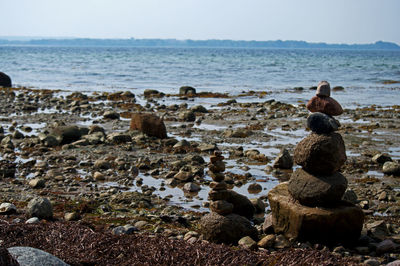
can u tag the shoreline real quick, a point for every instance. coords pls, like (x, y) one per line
(69, 170)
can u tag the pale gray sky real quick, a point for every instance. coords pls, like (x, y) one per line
(339, 21)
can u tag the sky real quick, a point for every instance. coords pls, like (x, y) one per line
(330, 21)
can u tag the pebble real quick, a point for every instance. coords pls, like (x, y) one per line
(33, 220)
(7, 208)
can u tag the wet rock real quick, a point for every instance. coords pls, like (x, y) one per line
(191, 187)
(199, 109)
(148, 93)
(5, 80)
(259, 205)
(111, 115)
(321, 123)
(149, 124)
(102, 164)
(254, 188)
(33, 256)
(227, 229)
(187, 116)
(49, 140)
(184, 174)
(7, 208)
(326, 105)
(391, 168)
(217, 167)
(67, 134)
(372, 262)
(381, 158)
(326, 225)
(281, 242)
(321, 154)
(7, 169)
(17, 135)
(283, 160)
(350, 196)
(318, 190)
(118, 138)
(184, 90)
(7, 143)
(377, 230)
(237, 133)
(41, 208)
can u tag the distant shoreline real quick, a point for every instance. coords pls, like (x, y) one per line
(88, 42)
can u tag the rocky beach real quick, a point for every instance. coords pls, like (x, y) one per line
(126, 178)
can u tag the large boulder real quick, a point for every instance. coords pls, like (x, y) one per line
(324, 104)
(313, 190)
(149, 124)
(227, 229)
(321, 154)
(5, 80)
(341, 224)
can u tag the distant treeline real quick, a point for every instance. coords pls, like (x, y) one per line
(198, 43)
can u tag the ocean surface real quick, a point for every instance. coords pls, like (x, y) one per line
(361, 72)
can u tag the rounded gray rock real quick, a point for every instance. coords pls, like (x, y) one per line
(321, 123)
(41, 208)
(28, 256)
(227, 229)
(391, 168)
(313, 190)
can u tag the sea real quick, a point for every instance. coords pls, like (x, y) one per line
(368, 76)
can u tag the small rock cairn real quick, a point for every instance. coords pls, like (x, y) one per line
(217, 167)
(310, 205)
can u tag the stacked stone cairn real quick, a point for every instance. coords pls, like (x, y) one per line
(310, 205)
(228, 221)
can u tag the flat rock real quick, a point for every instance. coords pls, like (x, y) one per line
(319, 190)
(28, 256)
(326, 105)
(321, 123)
(227, 229)
(321, 154)
(341, 224)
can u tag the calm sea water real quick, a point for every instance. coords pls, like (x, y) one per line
(218, 70)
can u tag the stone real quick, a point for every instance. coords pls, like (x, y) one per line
(221, 207)
(242, 205)
(41, 208)
(214, 158)
(267, 226)
(372, 262)
(350, 196)
(7, 169)
(66, 134)
(217, 167)
(118, 138)
(381, 158)
(321, 123)
(199, 109)
(323, 89)
(318, 190)
(37, 183)
(6, 259)
(33, 220)
(254, 188)
(184, 90)
(377, 230)
(187, 116)
(5, 80)
(217, 177)
(387, 246)
(102, 164)
(183, 175)
(341, 224)
(191, 187)
(149, 124)
(71, 216)
(326, 105)
(218, 186)
(267, 241)
(227, 229)
(259, 205)
(321, 154)
(391, 168)
(149, 93)
(247, 243)
(7, 208)
(283, 160)
(111, 115)
(394, 263)
(33, 256)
